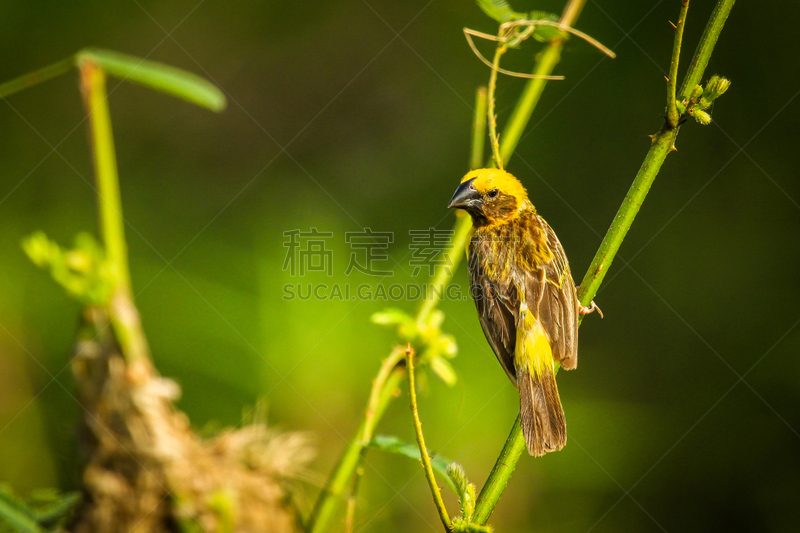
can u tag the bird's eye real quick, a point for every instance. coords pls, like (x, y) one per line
(493, 193)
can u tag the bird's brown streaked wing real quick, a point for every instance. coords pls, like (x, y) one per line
(497, 313)
(558, 304)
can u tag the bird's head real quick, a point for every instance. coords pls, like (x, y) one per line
(490, 195)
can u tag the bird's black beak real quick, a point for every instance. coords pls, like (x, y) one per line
(465, 196)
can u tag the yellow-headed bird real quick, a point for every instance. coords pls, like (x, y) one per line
(526, 298)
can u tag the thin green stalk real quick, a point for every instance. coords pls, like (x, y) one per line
(663, 142)
(36, 77)
(383, 390)
(124, 316)
(350, 514)
(672, 81)
(492, 115)
(501, 473)
(478, 129)
(546, 61)
(463, 224)
(442, 278)
(436, 491)
(707, 42)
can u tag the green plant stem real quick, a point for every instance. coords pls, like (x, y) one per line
(662, 145)
(436, 491)
(501, 473)
(350, 514)
(463, 225)
(478, 129)
(124, 316)
(492, 115)
(546, 61)
(707, 42)
(673, 116)
(439, 283)
(383, 390)
(36, 77)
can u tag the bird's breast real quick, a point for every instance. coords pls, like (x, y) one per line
(507, 250)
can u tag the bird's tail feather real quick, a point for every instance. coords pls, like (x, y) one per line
(542, 416)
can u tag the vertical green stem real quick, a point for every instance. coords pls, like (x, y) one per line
(546, 61)
(105, 166)
(672, 81)
(124, 316)
(663, 143)
(442, 278)
(501, 473)
(707, 42)
(492, 115)
(478, 129)
(436, 491)
(463, 221)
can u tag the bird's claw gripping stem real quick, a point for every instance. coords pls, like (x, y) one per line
(591, 309)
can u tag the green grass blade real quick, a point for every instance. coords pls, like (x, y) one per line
(170, 80)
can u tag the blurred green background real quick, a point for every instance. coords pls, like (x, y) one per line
(664, 435)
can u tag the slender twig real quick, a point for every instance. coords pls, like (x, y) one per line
(383, 390)
(350, 515)
(124, 316)
(468, 33)
(478, 129)
(436, 491)
(561, 26)
(37, 76)
(492, 115)
(663, 143)
(546, 61)
(463, 224)
(501, 473)
(706, 45)
(673, 116)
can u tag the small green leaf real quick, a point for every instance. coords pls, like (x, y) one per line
(17, 514)
(499, 10)
(170, 80)
(392, 444)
